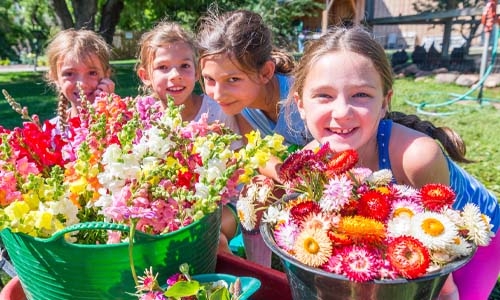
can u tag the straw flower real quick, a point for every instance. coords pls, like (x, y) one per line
(360, 224)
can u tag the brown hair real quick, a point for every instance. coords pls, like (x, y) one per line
(162, 34)
(358, 40)
(243, 35)
(81, 44)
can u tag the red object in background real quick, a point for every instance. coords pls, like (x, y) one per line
(489, 17)
(274, 284)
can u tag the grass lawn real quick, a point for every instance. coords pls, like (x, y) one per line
(477, 123)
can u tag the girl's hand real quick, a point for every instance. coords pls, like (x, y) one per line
(449, 290)
(105, 85)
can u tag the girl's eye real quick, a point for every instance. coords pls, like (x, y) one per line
(233, 79)
(361, 95)
(185, 66)
(93, 73)
(67, 74)
(322, 98)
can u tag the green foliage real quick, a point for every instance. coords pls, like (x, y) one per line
(280, 17)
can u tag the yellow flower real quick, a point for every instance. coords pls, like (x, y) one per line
(43, 220)
(313, 247)
(79, 186)
(17, 210)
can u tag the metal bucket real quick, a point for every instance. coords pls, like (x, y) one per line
(312, 283)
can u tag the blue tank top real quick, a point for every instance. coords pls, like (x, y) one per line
(466, 187)
(295, 133)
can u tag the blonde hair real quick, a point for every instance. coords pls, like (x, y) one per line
(162, 34)
(80, 44)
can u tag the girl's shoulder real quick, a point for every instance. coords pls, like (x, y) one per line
(416, 158)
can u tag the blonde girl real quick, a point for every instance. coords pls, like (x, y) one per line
(78, 64)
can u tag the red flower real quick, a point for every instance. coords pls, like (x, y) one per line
(436, 196)
(341, 162)
(408, 256)
(303, 209)
(375, 205)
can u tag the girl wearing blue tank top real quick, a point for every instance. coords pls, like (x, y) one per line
(343, 89)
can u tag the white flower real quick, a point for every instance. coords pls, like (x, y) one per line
(247, 214)
(433, 229)
(398, 226)
(477, 224)
(275, 215)
(380, 177)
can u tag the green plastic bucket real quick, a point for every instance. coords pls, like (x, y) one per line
(55, 269)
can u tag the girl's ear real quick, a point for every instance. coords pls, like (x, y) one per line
(143, 75)
(267, 71)
(300, 105)
(386, 104)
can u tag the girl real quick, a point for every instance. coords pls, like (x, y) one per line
(167, 67)
(349, 108)
(244, 74)
(78, 63)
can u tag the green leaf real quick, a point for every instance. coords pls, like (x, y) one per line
(183, 289)
(220, 294)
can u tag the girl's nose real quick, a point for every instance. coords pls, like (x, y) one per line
(174, 73)
(340, 108)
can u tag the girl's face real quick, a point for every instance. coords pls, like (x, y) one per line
(226, 83)
(173, 72)
(343, 101)
(89, 72)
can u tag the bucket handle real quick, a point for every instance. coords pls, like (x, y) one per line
(139, 235)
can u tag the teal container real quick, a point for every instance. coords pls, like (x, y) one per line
(55, 269)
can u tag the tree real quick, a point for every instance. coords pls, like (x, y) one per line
(84, 15)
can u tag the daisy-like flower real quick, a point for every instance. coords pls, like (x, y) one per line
(148, 282)
(460, 247)
(336, 194)
(437, 196)
(341, 162)
(405, 207)
(399, 226)
(317, 221)
(361, 229)
(247, 214)
(433, 229)
(408, 256)
(300, 210)
(374, 204)
(285, 235)
(334, 263)
(313, 247)
(359, 263)
(380, 177)
(477, 225)
(275, 215)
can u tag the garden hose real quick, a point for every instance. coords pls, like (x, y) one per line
(422, 106)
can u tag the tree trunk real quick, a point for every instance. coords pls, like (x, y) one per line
(85, 11)
(110, 16)
(63, 16)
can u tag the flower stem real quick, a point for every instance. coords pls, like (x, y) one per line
(131, 250)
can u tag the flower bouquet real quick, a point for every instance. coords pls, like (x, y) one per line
(351, 231)
(124, 183)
